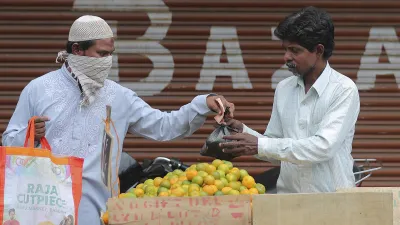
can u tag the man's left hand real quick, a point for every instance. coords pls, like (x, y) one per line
(240, 144)
(213, 104)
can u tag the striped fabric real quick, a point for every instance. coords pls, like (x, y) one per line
(91, 73)
(311, 133)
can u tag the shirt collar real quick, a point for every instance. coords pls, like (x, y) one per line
(68, 74)
(322, 81)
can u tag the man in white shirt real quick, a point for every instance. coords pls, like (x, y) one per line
(314, 113)
(71, 105)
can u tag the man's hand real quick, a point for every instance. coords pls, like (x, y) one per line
(234, 124)
(40, 127)
(213, 104)
(241, 144)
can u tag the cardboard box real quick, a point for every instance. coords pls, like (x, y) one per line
(213, 210)
(323, 209)
(396, 198)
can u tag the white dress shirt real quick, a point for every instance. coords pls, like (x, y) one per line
(77, 131)
(311, 133)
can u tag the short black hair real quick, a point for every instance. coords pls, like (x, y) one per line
(83, 45)
(11, 210)
(309, 27)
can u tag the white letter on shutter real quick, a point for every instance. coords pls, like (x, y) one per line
(212, 67)
(379, 37)
(148, 44)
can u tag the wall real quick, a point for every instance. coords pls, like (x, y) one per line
(169, 51)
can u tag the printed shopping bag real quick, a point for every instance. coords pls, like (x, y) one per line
(37, 187)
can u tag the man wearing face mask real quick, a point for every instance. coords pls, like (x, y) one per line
(71, 105)
(314, 113)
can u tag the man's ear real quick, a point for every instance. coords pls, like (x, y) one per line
(76, 50)
(320, 50)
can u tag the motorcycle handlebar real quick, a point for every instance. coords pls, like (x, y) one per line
(184, 167)
(178, 165)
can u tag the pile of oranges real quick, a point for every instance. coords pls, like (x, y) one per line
(202, 179)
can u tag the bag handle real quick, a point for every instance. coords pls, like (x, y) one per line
(30, 136)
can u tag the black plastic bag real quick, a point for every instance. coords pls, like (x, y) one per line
(211, 147)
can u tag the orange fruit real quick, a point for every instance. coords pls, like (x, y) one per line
(149, 182)
(209, 180)
(219, 184)
(210, 169)
(216, 175)
(177, 172)
(182, 178)
(157, 181)
(229, 164)
(243, 173)
(122, 195)
(224, 181)
(224, 168)
(190, 174)
(235, 185)
(253, 191)
(194, 193)
(235, 171)
(151, 190)
(202, 174)
(260, 188)
(166, 184)
(217, 162)
(221, 174)
(175, 186)
(163, 194)
(193, 187)
(234, 192)
(178, 192)
(104, 217)
(201, 166)
(162, 189)
(245, 192)
(198, 180)
(202, 193)
(169, 175)
(226, 190)
(140, 186)
(139, 192)
(209, 189)
(186, 182)
(218, 193)
(185, 187)
(193, 166)
(249, 182)
(173, 180)
(231, 177)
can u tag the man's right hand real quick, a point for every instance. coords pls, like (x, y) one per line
(234, 124)
(40, 127)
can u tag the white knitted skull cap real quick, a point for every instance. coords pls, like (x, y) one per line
(89, 27)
